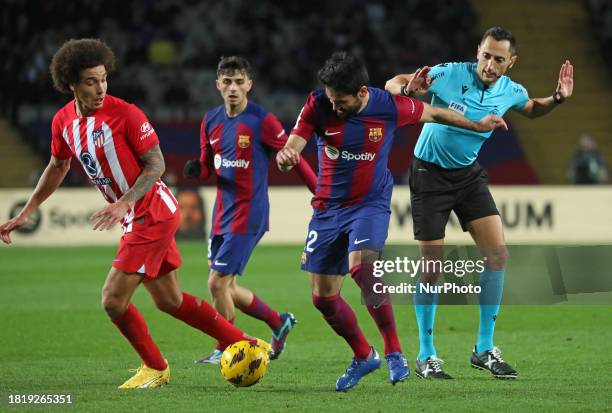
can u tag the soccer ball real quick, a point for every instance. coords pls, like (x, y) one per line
(244, 363)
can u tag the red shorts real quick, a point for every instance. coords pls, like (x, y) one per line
(148, 247)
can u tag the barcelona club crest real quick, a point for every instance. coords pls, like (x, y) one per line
(244, 141)
(376, 134)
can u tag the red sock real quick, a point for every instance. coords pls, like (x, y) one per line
(341, 318)
(383, 316)
(132, 325)
(201, 315)
(260, 310)
(220, 346)
(379, 306)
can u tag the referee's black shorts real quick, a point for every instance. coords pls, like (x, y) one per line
(436, 191)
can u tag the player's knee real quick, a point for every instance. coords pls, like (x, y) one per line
(324, 291)
(113, 306)
(168, 304)
(497, 258)
(218, 284)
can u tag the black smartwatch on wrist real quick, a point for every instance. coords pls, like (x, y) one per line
(404, 90)
(558, 98)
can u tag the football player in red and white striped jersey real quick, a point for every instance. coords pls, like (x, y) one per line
(119, 150)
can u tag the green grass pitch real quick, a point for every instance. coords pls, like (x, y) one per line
(55, 338)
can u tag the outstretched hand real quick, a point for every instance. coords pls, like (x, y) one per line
(565, 85)
(420, 82)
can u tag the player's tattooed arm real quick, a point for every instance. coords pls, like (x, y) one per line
(153, 168)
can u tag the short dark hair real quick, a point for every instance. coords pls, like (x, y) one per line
(230, 64)
(76, 55)
(344, 73)
(499, 34)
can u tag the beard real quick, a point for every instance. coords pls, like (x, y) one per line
(349, 111)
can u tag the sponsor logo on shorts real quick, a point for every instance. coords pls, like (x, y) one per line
(219, 263)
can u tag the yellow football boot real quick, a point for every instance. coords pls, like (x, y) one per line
(147, 378)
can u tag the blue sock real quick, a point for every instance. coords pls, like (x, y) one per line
(492, 287)
(425, 307)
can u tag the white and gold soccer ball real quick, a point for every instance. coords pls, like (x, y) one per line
(244, 363)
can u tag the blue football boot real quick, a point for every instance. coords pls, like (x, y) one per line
(356, 370)
(398, 367)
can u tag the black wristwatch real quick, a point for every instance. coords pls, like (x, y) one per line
(558, 98)
(404, 90)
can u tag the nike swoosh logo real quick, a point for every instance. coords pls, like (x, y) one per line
(357, 242)
(214, 141)
(328, 133)
(219, 263)
(150, 382)
(379, 304)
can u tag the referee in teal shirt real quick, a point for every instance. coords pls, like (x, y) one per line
(445, 177)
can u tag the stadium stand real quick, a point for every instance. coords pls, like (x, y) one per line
(167, 52)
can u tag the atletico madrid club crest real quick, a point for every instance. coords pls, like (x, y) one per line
(98, 138)
(244, 141)
(375, 134)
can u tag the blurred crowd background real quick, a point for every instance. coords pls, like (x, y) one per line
(167, 52)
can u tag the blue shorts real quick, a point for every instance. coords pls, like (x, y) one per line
(332, 234)
(229, 253)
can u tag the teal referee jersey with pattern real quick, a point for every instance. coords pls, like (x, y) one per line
(457, 87)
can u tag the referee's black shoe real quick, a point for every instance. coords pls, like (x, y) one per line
(492, 361)
(431, 368)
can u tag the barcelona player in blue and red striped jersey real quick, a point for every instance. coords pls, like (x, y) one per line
(236, 142)
(355, 125)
